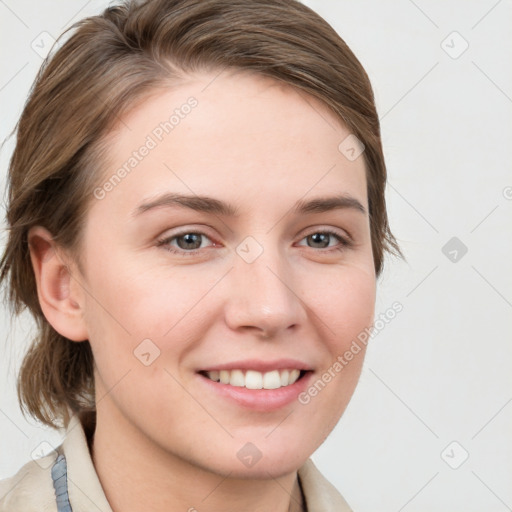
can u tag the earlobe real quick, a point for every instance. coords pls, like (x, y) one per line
(61, 303)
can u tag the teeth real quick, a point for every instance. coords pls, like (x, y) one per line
(272, 380)
(224, 376)
(237, 378)
(252, 379)
(294, 375)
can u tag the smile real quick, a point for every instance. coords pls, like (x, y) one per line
(252, 379)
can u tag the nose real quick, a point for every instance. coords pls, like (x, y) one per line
(263, 296)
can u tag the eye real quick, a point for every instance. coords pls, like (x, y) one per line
(321, 240)
(188, 242)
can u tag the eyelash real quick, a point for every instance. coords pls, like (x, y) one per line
(345, 242)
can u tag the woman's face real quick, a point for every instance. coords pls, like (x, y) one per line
(186, 286)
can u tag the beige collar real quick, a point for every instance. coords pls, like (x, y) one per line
(312, 492)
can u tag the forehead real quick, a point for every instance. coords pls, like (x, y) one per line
(239, 136)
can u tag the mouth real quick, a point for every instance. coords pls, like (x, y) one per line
(253, 379)
(257, 385)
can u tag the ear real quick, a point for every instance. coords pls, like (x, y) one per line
(60, 295)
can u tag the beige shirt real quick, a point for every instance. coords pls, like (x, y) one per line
(31, 488)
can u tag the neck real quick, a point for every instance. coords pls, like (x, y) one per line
(136, 474)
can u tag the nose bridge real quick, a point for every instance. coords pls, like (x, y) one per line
(263, 294)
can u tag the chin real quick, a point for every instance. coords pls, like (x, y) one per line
(265, 468)
(267, 458)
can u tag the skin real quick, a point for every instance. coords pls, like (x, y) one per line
(261, 146)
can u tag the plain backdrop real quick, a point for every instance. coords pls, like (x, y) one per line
(428, 428)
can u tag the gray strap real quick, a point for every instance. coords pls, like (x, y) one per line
(60, 484)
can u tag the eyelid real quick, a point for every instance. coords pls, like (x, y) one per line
(315, 229)
(342, 233)
(345, 239)
(166, 239)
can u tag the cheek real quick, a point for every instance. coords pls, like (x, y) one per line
(129, 303)
(358, 304)
(345, 303)
(345, 308)
(133, 296)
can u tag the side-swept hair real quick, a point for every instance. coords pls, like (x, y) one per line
(109, 63)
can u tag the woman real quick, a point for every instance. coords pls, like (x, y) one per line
(197, 221)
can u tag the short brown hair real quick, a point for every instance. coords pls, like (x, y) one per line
(108, 63)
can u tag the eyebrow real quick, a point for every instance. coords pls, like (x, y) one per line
(215, 206)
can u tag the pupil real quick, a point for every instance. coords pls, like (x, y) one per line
(189, 238)
(319, 238)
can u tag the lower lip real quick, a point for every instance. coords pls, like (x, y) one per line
(262, 400)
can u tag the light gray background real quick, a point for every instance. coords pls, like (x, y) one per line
(441, 370)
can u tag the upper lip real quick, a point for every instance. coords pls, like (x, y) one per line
(259, 365)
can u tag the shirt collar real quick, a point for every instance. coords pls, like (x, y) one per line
(86, 493)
